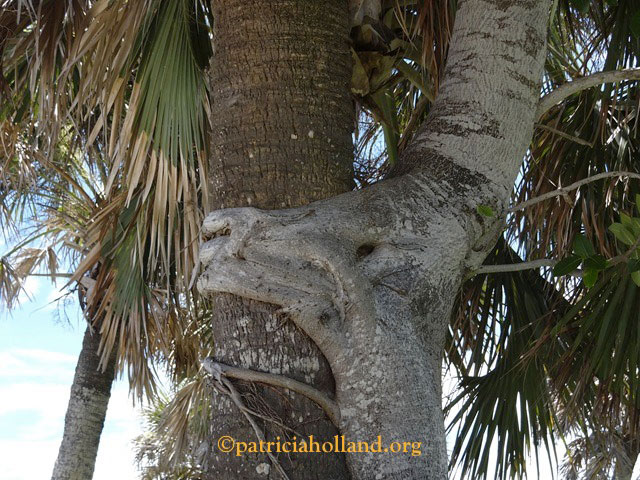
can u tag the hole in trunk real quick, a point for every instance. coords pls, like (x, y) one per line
(364, 250)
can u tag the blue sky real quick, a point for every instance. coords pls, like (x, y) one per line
(38, 352)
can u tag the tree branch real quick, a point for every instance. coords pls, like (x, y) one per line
(329, 406)
(548, 262)
(562, 134)
(51, 275)
(573, 186)
(237, 400)
(514, 267)
(568, 89)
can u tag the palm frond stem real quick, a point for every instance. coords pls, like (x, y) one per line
(571, 187)
(566, 90)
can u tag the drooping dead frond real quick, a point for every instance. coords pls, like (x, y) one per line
(123, 83)
(175, 443)
(399, 60)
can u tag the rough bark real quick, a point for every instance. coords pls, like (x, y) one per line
(87, 409)
(371, 276)
(282, 120)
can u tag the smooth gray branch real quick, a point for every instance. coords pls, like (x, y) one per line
(515, 267)
(571, 187)
(562, 134)
(568, 89)
(220, 369)
(548, 262)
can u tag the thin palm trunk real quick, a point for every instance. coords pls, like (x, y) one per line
(86, 412)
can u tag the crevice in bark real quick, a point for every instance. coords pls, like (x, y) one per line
(364, 250)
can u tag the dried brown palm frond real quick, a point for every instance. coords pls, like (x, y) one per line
(399, 59)
(176, 439)
(102, 70)
(432, 28)
(175, 442)
(589, 133)
(45, 211)
(146, 237)
(550, 227)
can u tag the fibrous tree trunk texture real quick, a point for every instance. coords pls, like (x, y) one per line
(86, 412)
(371, 276)
(282, 121)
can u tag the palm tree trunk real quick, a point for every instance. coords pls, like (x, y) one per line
(371, 275)
(86, 412)
(282, 123)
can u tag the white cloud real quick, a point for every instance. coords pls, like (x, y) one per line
(17, 460)
(30, 289)
(54, 296)
(38, 397)
(23, 363)
(34, 392)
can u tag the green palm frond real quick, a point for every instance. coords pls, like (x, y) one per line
(150, 250)
(503, 410)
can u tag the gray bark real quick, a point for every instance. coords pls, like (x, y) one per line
(371, 276)
(87, 409)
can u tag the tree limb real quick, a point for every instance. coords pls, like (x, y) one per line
(329, 406)
(573, 186)
(562, 134)
(237, 400)
(568, 89)
(548, 262)
(515, 267)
